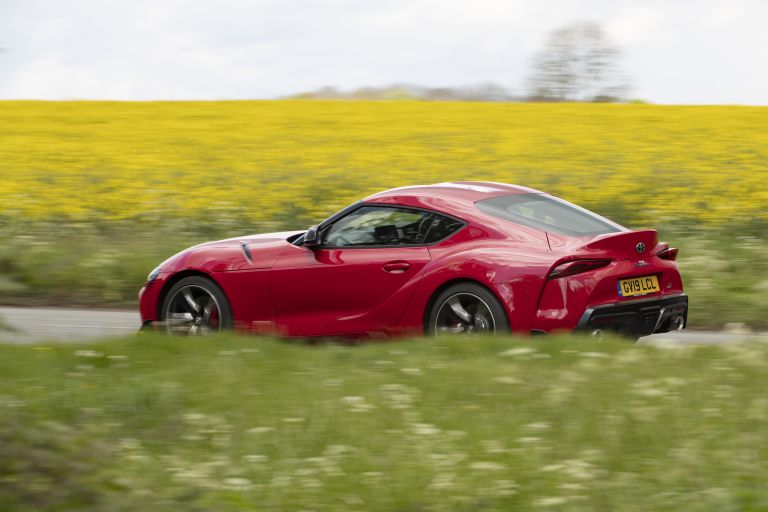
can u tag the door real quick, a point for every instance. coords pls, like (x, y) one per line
(359, 280)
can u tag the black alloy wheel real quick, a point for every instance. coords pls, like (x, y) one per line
(196, 306)
(467, 308)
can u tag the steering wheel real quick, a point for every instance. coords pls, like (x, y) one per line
(421, 225)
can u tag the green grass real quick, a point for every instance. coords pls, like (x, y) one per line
(230, 424)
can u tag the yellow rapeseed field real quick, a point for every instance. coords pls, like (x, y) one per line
(281, 163)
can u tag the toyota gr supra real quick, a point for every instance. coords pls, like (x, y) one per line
(462, 257)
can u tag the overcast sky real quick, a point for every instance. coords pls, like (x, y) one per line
(687, 51)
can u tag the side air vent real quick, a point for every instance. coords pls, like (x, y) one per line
(246, 251)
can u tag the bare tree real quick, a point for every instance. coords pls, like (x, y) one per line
(578, 63)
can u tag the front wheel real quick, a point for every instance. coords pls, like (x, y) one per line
(196, 306)
(467, 308)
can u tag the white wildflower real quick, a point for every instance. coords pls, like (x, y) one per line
(194, 417)
(487, 466)
(552, 501)
(424, 429)
(442, 481)
(494, 446)
(311, 483)
(507, 380)
(357, 403)
(595, 355)
(88, 353)
(237, 484)
(351, 499)
(337, 450)
(281, 480)
(504, 488)
(521, 351)
(260, 430)
(650, 392)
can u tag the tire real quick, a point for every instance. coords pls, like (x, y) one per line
(480, 312)
(196, 306)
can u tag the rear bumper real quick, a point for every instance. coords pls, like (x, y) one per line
(638, 317)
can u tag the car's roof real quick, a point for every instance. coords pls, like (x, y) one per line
(448, 196)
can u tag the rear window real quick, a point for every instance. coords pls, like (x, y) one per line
(547, 213)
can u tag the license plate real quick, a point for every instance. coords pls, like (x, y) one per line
(638, 286)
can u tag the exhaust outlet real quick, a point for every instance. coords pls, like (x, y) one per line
(677, 323)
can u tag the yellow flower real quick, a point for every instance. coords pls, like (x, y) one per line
(284, 163)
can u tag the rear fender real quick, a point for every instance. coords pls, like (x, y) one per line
(514, 273)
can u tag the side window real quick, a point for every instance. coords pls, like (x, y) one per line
(442, 227)
(378, 225)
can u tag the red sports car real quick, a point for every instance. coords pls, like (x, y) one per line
(463, 257)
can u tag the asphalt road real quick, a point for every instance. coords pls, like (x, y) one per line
(36, 325)
(33, 325)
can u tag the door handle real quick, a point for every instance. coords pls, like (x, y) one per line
(396, 267)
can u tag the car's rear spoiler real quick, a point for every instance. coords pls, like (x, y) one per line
(624, 245)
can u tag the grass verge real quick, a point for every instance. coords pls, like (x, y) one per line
(230, 424)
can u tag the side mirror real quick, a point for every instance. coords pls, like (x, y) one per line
(311, 239)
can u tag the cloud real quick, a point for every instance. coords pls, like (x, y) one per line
(686, 51)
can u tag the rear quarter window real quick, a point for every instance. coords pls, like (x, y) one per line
(441, 228)
(547, 213)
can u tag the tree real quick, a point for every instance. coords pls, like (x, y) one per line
(578, 63)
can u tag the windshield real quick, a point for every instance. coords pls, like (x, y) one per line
(548, 213)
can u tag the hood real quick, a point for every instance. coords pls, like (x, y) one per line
(264, 238)
(239, 253)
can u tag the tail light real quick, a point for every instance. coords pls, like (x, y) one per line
(570, 268)
(669, 253)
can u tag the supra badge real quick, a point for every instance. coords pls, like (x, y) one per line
(641, 263)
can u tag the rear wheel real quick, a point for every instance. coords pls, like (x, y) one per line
(195, 306)
(467, 308)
